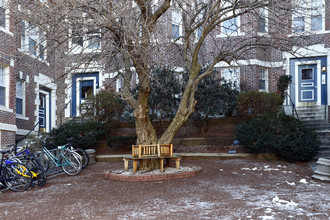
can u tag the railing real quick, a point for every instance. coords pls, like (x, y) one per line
(18, 140)
(294, 110)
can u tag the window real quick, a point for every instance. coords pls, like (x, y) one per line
(230, 26)
(298, 24)
(231, 75)
(262, 21)
(263, 79)
(77, 37)
(307, 74)
(33, 40)
(20, 93)
(93, 40)
(316, 15)
(176, 24)
(200, 28)
(83, 39)
(2, 86)
(2, 14)
(308, 16)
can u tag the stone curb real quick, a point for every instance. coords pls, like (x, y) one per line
(151, 177)
(187, 156)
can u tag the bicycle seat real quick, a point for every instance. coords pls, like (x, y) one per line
(61, 147)
(4, 151)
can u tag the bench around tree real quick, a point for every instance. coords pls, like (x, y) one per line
(160, 152)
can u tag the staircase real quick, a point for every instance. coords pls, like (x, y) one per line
(313, 116)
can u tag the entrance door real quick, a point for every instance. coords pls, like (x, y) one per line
(307, 83)
(42, 112)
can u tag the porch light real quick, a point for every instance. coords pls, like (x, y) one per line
(323, 69)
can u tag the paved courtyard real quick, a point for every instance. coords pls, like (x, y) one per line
(227, 189)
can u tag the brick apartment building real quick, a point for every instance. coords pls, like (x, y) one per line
(29, 92)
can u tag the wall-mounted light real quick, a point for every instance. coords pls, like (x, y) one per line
(323, 69)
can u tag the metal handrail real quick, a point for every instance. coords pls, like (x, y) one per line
(294, 110)
(18, 140)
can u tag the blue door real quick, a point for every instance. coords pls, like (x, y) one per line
(307, 83)
(42, 111)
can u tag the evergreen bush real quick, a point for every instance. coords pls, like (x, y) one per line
(279, 134)
(81, 135)
(121, 141)
(253, 104)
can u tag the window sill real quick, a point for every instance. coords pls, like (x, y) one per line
(80, 50)
(33, 56)
(239, 34)
(306, 33)
(263, 34)
(5, 109)
(19, 116)
(5, 30)
(177, 41)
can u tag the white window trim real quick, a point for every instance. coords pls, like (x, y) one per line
(308, 21)
(6, 29)
(179, 40)
(23, 100)
(24, 46)
(6, 85)
(233, 34)
(266, 80)
(266, 24)
(77, 49)
(232, 80)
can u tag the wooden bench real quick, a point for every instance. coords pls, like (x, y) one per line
(162, 152)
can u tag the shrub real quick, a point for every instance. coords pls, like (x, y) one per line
(83, 135)
(279, 134)
(105, 107)
(254, 104)
(121, 141)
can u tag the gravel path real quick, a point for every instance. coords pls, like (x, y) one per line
(230, 189)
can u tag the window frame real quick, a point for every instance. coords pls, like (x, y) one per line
(235, 80)
(306, 11)
(6, 17)
(5, 84)
(30, 34)
(177, 21)
(23, 97)
(263, 14)
(263, 75)
(84, 37)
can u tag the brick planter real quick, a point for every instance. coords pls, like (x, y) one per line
(155, 176)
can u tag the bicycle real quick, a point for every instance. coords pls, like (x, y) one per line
(44, 161)
(39, 176)
(15, 176)
(70, 161)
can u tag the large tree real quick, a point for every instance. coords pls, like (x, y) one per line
(137, 35)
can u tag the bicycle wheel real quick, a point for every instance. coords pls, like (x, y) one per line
(43, 160)
(84, 156)
(17, 177)
(71, 163)
(39, 176)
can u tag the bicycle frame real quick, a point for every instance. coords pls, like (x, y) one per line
(56, 160)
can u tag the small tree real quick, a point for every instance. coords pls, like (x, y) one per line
(215, 97)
